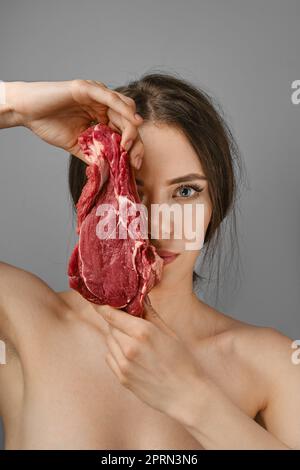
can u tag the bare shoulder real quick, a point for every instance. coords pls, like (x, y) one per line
(28, 306)
(26, 301)
(249, 340)
(270, 362)
(275, 357)
(263, 348)
(263, 351)
(276, 360)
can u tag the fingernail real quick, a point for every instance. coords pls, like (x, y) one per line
(128, 145)
(139, 162)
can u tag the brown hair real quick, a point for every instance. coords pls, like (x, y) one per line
(167, 98)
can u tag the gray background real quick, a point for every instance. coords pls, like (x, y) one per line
(246, 54)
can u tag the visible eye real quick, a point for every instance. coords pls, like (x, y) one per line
(184, 189)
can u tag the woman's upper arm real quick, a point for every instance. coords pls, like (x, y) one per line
(281, 415)
(23, 298)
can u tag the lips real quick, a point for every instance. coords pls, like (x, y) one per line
(167, 256)
(165, 253)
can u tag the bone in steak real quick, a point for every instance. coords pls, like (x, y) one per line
(114, 271)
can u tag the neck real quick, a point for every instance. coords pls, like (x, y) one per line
(180, 309)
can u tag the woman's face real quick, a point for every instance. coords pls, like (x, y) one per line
(168, 155)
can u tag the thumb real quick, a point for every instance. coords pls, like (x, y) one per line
(151, 315)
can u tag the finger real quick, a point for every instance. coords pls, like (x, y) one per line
(151, 315)
(129, 324)
(114, 366)
(136, 153)
(137, 148)
(112, 100)
(130, 101)
(128, 345)
(122, 338)
(127, 99)
(113, 127)
(131, 349)
(77, 152)
(115, 349)
(128, 130)
(97, 82)
(121, 362)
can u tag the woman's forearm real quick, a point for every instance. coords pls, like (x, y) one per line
(217, 423)
(8, 117)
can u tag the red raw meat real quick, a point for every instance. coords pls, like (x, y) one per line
(117, 272)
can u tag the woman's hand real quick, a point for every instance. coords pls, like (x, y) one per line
(58, 112)
(149, 359)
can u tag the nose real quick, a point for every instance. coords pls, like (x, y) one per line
(159, 226)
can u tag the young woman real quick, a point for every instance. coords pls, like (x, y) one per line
(187, 376)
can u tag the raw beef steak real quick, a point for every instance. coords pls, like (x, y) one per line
(115, 271)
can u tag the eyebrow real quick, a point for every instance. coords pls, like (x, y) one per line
(180, 179)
